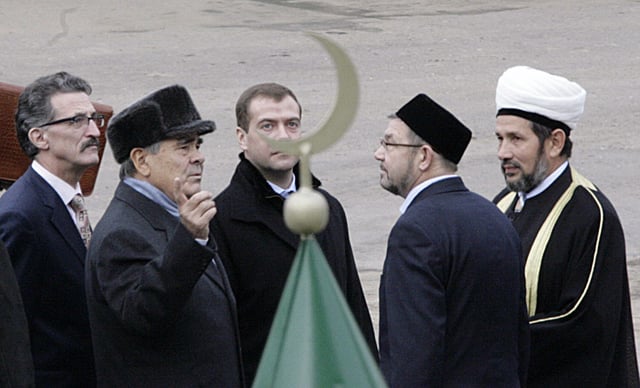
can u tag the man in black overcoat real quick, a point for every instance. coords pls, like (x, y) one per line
(254, 243)
(161, 309)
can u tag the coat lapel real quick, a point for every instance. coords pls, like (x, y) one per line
(60, 218)
(163, 222)
(258, 203)
(272, 220)
(217, 273)
(68, 230)
(157, 217)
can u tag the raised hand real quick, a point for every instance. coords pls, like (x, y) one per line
(195, 211)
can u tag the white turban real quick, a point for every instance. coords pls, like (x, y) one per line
(525, 89)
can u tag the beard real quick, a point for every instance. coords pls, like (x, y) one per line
(389, 186)
(528, 181)
(401, 185)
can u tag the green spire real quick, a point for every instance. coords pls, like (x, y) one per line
(314, 340)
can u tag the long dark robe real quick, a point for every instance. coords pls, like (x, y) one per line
(581, 325)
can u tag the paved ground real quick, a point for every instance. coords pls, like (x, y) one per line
(454, 50)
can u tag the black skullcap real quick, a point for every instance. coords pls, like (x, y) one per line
(435, 125)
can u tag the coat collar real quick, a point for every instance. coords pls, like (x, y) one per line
(252, 175)
(247, 175)
(444, 186)
(254, 194)
(155, 214)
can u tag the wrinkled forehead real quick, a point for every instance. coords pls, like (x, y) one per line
(72, 103)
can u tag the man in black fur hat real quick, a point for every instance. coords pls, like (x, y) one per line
(161, 309)
(452, 308)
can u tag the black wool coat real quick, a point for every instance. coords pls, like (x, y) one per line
(162, 313)
(258, 250)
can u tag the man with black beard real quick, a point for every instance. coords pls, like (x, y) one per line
(452, 298)
(576, 275)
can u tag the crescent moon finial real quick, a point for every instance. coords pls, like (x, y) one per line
(341, 117)
(307, 212)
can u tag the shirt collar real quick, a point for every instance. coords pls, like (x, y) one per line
(418, 189)
(284, 192)
(548, 181)
(65, 191)
(154, 194)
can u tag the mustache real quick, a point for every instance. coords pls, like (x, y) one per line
(510, 163)
(90, 143)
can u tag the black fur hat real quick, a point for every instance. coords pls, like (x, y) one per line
(168, 113)
(437, 126)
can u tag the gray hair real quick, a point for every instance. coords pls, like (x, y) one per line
(128, 168)
(34, 104)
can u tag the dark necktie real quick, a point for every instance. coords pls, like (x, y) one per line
(286, 193)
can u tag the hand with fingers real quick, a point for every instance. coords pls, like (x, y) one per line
(196, 211)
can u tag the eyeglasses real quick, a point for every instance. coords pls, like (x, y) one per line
(385, 144)
(79, 121)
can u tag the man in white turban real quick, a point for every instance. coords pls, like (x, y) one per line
(575, 271)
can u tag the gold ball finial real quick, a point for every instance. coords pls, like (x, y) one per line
(306, 211)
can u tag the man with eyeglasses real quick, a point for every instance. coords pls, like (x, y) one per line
(58, 128)
(452, 308)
